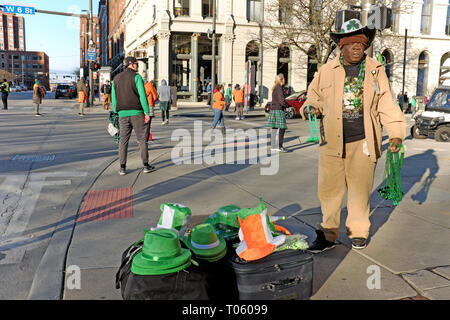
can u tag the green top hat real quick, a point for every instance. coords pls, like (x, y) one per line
(174, 217)
(350, 28)
(161, 254)
(205, 243)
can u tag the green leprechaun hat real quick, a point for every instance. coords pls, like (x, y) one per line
(353, 27)
(205, 244)
(161, 254)
(174, 217)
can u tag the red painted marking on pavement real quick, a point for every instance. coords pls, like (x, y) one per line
(101, 205)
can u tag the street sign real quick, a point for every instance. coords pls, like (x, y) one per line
(91, 54)
(19, 8)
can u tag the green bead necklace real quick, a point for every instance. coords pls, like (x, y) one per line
(354, 88)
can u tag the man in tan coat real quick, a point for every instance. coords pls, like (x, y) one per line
(352, 97)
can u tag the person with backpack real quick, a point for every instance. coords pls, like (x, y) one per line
(4, 88)
(38, 94)
(130, 102)
(238, 96)
(106, 91)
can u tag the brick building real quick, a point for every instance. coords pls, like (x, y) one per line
(26, 66)
(84, 41)
(116, 33)
(12, 32)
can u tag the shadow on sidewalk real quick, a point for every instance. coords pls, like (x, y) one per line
(415, 169)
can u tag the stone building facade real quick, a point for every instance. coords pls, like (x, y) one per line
(171, 39)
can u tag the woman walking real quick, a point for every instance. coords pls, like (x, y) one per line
(165, 97)
(218, 106)
(38, 94)
(277, 119)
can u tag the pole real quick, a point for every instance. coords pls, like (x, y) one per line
(91, 84)
(213, 64)
(404, 61)
(365, 4)
(261, 87)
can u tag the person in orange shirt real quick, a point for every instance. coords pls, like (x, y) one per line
(218, 106)
(238, 96)
(152, 96)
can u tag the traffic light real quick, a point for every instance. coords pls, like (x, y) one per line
(95, 66)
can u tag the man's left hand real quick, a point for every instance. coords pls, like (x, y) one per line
(393, 145)
(147, 119)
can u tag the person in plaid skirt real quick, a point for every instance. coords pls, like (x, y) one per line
(277, 119)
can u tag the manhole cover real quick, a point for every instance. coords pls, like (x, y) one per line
(33, 157)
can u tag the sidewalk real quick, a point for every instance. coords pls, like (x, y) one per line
(408, 243)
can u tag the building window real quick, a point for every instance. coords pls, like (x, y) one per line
(447, 24)
(254, 10)
(285, 12)
(35, 66)
(422, 74)
(388, 61)
(207, 8)
(35, 57)
(426, 17)
(181, 8)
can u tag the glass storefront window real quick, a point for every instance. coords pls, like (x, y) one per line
(181, 62)
(181, 8)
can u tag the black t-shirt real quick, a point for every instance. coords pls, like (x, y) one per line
(352, 110)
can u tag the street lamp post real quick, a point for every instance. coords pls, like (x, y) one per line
(213, 64)
(91, 85)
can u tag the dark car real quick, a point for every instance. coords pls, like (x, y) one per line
(295, 102)
(74, 91)
(63, 90)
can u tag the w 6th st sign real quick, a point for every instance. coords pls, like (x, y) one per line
(18, 8)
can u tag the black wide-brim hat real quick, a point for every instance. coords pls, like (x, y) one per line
(353, 27)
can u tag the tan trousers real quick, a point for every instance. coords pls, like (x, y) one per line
(106, 100)
(354, 172)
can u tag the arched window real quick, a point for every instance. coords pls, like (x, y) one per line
(444, 74)
(422, 74)
(284, 58)
(388, 59)
(447, 23)
(425, 24)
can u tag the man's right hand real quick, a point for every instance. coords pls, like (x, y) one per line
(313, 111)
(147, 119)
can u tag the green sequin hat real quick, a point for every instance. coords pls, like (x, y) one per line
(353, 27)
(205, 243)
(161, 254)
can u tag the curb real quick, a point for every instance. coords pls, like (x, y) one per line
(48, 280)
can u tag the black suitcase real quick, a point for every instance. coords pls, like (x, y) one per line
(284, 275)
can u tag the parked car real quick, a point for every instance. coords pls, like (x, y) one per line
(64, 90)
(435, 120)
(74, 91)
(15, 89)
(295, 101)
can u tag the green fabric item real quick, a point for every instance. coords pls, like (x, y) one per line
(161, 254)
(205, 244)
(142, 97)
(164, 105)
(277, 119)
(413, 103)
(391, 188)
(293, 242)
(313, 127)
(226, 223)
(174, 214)
(113, 117)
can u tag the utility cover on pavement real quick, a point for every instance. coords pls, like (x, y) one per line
(107, 204)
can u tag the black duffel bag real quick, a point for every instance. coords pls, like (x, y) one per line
(186, 284)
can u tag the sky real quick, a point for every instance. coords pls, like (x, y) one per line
(57, 36)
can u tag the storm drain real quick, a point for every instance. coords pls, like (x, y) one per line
(33, 157)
